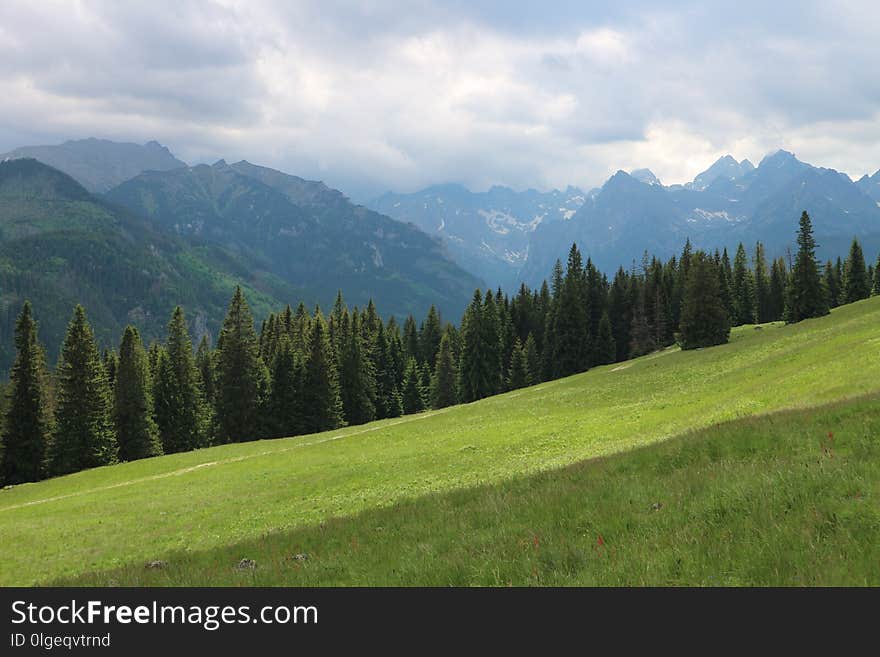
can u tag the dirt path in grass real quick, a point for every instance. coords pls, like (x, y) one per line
(232, 459)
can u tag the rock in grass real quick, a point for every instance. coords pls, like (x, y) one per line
(246, 564)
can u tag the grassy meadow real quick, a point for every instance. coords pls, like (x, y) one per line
(487, 493)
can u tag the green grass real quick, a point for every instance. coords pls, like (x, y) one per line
(190, 508)
(768, 500)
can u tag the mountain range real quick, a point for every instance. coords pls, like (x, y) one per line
(301, 232)
(61, 245)
(488, 233)
(189, 235)
(99, 164)
(634, 212)
(130, 231)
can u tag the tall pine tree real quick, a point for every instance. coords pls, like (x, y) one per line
(241, 375)
(136, 430)
(743, 289)
(805, 295)
(606, 348)
(778, 283)
(429, 337)
(320, 404)
(84, 436)
(413, 395)
(763, 311)
(856, 285)
(480, 358)
(357, 378)
(571, 329)
(282, 405)
(444, 383)
(704, 320)
(180, 412)
(26, 425)
(832, 284)
(206, 365)
(876, 288)
(517, 371)
(533, 361)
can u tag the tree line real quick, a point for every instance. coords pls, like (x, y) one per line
(304, 372)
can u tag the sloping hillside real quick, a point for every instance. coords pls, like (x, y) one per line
(304, 233)
(205, 500)
(60, 245)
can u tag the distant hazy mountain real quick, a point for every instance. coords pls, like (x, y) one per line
(99, 164)
(645, 176)
(304, 234)
(730, 202)
(725, 168)
(870, 185)
(60, 245)
(487, 233)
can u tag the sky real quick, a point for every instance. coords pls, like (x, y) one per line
(372, 96)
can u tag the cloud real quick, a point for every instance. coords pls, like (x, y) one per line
(375, 95)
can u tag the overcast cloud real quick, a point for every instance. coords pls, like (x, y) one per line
(371, 96)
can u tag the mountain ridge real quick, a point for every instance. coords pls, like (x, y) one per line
(100, 164)
(303, 232)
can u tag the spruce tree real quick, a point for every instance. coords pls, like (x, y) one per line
(180, 412)
(411, 339)
(282, 404)
(413, 395)
(876, 288)
(620, 313)
(725, 276)
(472, 378)
(805, 294)
(136, 430)
(743, 289)
(429, 337)
(388, 403)
(84, 436)
(357, 378)
(548, 342)
(832, 285)
(533, 361)
(723, 283)
(762, 286)
(320, 405)
(153, 360)
(641, 336)
(684, 266)
(111, 362)
(856, 284)
(704, 320)
(571, 328)
(444, 382)
(26, 426)
(241, 375)
(492, 351)
(596, 298)
(606, 348)
(778, 283)
(517, 371)
(480, 370)
(206, 365)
